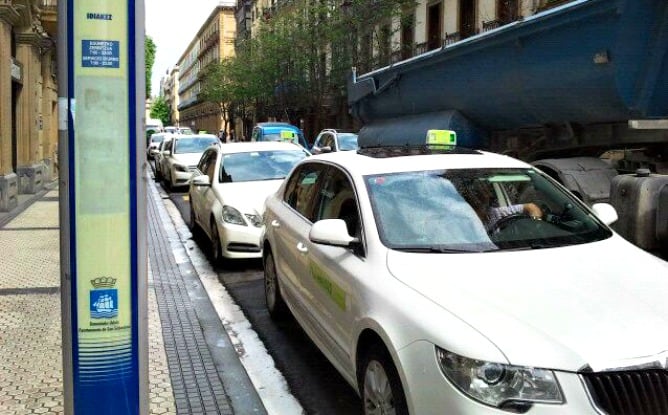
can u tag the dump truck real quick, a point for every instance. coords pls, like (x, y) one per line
(580, 91)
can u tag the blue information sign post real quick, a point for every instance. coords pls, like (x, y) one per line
(103, 256)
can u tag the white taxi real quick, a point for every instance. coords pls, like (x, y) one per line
(440, 280)
(228, 190)
(180, 157)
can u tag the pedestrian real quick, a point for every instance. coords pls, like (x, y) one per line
(222, 135)
(231, 136)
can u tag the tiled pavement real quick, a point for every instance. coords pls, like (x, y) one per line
(189, 373)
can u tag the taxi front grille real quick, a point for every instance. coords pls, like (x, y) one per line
(636, 392)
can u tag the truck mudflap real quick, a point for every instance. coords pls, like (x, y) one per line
(641, 201)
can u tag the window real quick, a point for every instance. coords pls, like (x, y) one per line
(407, 35)
(301, 189)
(327, 141)
(434, 26)
(337, 201)
(207, 163)
(507, 10)
(259, 165)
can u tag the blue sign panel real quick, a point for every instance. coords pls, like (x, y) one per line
(103, 303)
(104, 236)
(100, 54)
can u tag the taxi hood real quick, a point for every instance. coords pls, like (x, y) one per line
(187, 159)
(560, 308)
(248, 196)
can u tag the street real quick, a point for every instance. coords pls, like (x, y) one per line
(311, 378)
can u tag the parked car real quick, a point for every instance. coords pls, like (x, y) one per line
(331, 140)
(154, 144)
(181, 155)
(427, 303)
(278, 131)
(178, 130)
(159, 156)
(228, 190)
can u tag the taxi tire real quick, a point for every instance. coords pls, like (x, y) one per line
(158, 174)
(192, 224)
(276, 306)
(216, 245)
(378, 355)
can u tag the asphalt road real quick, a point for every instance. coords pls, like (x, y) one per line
(315, 383)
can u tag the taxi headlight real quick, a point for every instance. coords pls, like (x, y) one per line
(180, 167)
(498, 384)
(256, 219)
(233, 216)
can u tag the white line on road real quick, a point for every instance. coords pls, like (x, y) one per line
(267, 379)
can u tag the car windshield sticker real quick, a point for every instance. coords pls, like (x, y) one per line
(333, 291)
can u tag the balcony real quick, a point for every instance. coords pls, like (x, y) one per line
(49, 16)
(451, 38)
(549, 4)
(491, 25)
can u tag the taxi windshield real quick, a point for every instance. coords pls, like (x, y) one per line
(259, 165)
(478, 210)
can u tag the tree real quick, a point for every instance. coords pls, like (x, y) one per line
(218, 87)
(160, 110)
(149, 56)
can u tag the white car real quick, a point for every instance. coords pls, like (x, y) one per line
(331, 140)
(429, 303)
(158, 157)
(181, 155)
(228, 190)
(154, 144)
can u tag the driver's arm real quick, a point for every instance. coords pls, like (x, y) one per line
(532, 210)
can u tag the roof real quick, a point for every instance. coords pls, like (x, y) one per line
(247, 146)
(182, 136)
(361, 164)
(277, 125)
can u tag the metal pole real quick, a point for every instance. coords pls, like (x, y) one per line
(64, 205)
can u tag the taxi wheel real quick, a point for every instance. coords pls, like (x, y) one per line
(216, 249)
(192, 224)
(380, 385)
(278, 310)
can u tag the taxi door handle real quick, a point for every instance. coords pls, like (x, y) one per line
(275, 224)
(302, 248)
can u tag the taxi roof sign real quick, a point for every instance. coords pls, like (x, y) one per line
(287, 135)
(441, 137)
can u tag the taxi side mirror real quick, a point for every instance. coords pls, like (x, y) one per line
(331, 232)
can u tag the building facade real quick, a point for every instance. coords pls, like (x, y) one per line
(169, 90)
(28, 98)
(213, 42)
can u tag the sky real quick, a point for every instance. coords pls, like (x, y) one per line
(172, 24)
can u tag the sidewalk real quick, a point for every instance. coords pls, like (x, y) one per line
(193, 367)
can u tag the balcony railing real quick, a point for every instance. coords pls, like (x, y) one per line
(420, 48)
(490, 25)
(49, 4)
(548, 4)
(451, 38)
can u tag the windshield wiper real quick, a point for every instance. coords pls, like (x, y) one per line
(435, 249)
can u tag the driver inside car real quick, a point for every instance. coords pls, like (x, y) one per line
(481, 199)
